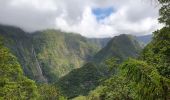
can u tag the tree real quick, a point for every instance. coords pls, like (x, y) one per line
(49, 92)
(136, 80)
(157, 53)
(13, 84)
(165, 12)
(147, 78)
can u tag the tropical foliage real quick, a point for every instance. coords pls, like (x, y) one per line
(13, 84)
(47, 55)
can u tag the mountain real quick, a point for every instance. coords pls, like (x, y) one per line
(121, 47)
(81, 81)
(13, 84)
(47, 55)
(144, 39)
(102, 42)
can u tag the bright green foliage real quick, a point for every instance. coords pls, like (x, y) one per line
(49, 92)
(96, 94)
(13, 84)
(148, 83)
(80, 98)
(135, 81)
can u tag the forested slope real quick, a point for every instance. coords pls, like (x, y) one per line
(50, 54)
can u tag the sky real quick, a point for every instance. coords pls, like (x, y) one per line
(90, 18)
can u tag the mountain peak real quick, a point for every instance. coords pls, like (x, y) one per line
(121, 47)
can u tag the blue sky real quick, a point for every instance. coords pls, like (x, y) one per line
(102, 13)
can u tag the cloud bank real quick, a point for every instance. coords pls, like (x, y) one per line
(137, 17)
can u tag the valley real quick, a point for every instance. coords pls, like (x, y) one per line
(67, 52)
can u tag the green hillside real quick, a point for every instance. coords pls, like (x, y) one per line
(145, 78)
(120, 47)
(82, 80)
(58, 53)
(67, 66)
(50, 54)
(13, 84)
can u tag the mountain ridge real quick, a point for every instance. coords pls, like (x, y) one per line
(40, 53)
(82, 80)
(117, 47)
(50, 54)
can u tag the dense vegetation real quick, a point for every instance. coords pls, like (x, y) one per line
(147, 78)
(59, 53)
(120, 47)
(81, 81)
(135, 80)
(48, 55)
(13, 84)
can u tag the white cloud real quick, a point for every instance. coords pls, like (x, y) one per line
(44, 5)
(136, 17)
(87, 26)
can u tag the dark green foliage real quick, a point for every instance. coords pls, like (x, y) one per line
(120, 47)
(81, 81)
(13, 84)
